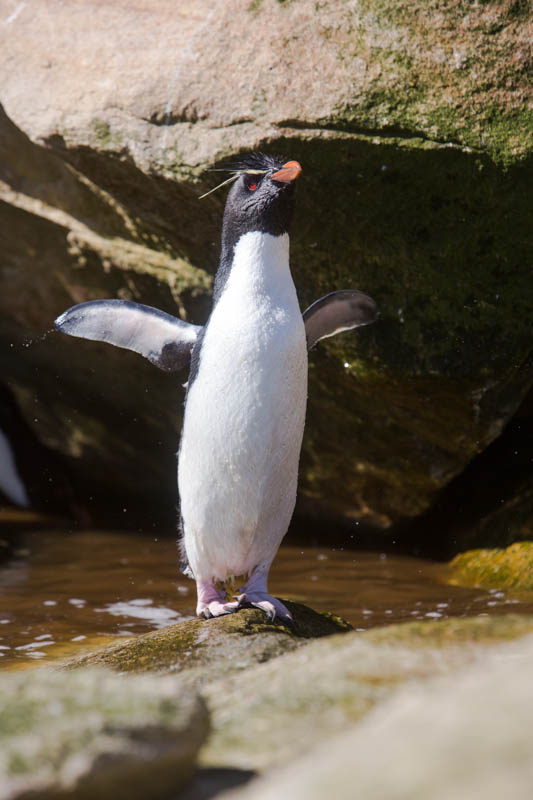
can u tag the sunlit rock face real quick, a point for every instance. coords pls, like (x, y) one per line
(93, 734)
(413, 129)
(456, 735)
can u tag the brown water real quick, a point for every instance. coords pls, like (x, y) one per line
(63, 592)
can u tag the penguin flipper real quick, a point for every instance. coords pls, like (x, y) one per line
(164, 340)
(337, 312)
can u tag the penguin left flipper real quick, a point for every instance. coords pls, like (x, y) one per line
(337, 312)
(164, 340)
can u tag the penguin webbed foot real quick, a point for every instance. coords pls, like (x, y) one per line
(216, 609)
(212, 601)
(270, 605)
(256, 593)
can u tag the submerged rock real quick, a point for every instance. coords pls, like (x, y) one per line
(202, 650)
(91, 734)
(463, 735)
(511, 568)
(412, 124)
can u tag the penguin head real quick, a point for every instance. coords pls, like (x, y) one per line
(262, 197)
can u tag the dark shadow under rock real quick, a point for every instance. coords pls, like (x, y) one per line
(211, 781)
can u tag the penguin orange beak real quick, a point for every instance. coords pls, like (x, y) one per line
(288, 172)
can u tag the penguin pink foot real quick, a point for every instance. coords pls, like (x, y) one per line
(211, 601)
(255, 593)
(270, 605)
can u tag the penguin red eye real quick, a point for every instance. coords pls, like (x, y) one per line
(252, 187)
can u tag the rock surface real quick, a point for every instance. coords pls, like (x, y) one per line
(272, 699)
(413, 124)
(92, 734)
(203, 649)
(462, 735)
(456, 73)
(511, 568)
(278, 711)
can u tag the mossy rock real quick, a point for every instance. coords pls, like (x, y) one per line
(511, 568)
(203, 649)
(93, 734)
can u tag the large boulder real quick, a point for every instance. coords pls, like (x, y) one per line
(462, 735)
(267, 686)
(93, 734)
(412, 122)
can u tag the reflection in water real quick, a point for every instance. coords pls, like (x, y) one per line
(66, 591)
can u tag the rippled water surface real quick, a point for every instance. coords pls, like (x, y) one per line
(62, 592)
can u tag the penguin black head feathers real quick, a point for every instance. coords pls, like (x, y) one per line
(261, 198)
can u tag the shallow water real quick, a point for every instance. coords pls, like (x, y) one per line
(64, 592)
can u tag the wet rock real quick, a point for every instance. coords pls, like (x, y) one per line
(462, 735)
(511, 568)
(202, 650)
(417, 168)
(92, 734)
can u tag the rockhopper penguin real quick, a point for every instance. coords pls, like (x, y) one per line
(247, 390)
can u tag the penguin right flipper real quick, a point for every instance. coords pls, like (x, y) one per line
(164, 340)
(337, 312)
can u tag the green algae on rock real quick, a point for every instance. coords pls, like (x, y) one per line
(511, 568)
(92, 734)
(201, 649)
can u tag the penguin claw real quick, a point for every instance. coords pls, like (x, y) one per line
(217, 609)
(271, 606)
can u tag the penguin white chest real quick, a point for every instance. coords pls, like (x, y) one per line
(244, 416)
